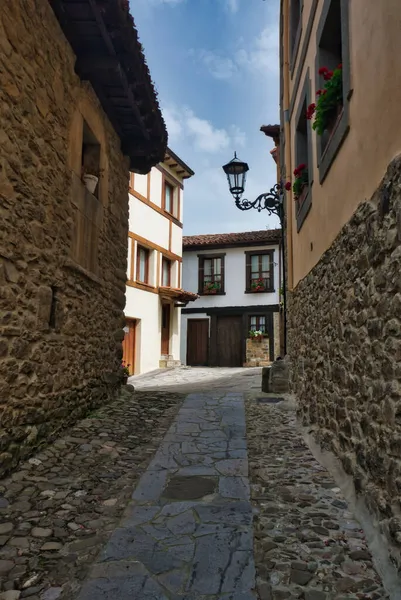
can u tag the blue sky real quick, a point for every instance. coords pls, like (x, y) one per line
(215, 66)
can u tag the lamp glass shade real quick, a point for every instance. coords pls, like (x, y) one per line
(236, 171)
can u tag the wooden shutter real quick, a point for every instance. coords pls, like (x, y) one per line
(200, 274)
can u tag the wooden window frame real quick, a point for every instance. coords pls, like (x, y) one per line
(327, 155)
(258, 317)
(248, 273)
(168, 262)
(201, 261)
(167, 182)
(147, 260)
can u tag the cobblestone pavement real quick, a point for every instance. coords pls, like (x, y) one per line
(60, 512)
(191, 379)
(188, 533)
(58, 509)
(307, 543)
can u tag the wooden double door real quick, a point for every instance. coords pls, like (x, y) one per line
(227, 340)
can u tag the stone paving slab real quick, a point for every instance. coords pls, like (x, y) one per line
(189, 529)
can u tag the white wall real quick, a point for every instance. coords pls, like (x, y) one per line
(176, 239)
(234, 279)
(142, 305)
(148, 223)
(155, 191)
(184, 329)
(146, 307)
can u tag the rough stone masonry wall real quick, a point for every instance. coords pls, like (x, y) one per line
(257, 352)
(345, 350)
(50, 376)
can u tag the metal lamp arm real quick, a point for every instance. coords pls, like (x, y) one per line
(269, 201)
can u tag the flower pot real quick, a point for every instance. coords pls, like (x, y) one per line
(125, 379)
(210, 291)
(90, 182)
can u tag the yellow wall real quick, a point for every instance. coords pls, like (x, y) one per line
(375, 125)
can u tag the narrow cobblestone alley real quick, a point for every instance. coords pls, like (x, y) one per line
(231, 506)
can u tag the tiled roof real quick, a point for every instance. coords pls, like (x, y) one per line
(244, 238)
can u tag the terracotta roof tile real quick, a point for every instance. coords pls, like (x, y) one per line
(243, 238)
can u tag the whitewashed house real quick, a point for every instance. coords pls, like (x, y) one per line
(238, 279)
(154, 294)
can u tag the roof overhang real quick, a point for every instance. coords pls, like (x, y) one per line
(272, 131)
(177, 165)
(109, 55)
(177, 295)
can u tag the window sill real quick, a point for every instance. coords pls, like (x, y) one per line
(269, 291)
(172, 217)
(211, 295)
(74, 266)
(334, 144)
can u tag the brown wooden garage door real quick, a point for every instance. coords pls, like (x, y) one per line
(197, 342)
(229, 341)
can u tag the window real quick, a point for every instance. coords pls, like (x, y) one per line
(260, 271)
(257, 323)
(171, 199)
(303, 154)
(90, 160)
(142, 265)
(333, 49)
(166, 272)
(211, 274)
(87, 202)
(295, 28)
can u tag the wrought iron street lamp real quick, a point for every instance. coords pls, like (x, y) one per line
(272, 201)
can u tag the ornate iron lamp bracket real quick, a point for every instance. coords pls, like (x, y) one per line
(271, 201)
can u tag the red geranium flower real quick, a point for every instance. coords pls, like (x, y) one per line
(296, 172)
(340, 66)
(301, 167)
(310, 111)
(319, 92)
(323, 70)
(288, 186)
(328, 75)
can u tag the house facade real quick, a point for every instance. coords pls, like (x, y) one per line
(154, 294)
(63, 248)
(340, 122)
(237, 278)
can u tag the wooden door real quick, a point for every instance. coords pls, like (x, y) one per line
(165, 329)
(229, 341)
(198, 342)
(129, 346)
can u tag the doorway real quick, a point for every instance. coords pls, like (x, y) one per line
(129, 345)
(166, 316)
(229, 341)
(198, 342)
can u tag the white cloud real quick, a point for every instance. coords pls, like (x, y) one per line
(219, 66)
(261, 56)
(184, 124)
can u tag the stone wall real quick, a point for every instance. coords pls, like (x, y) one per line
(257, 352)
(345, 348)
(60, 325)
